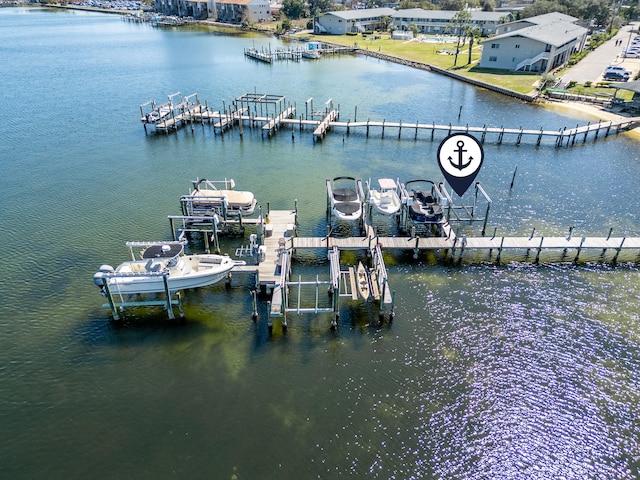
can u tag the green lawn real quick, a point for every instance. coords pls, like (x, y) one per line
(428, 53)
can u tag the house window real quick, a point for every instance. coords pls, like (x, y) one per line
(495, 45)
(517, 46)
(493, 59)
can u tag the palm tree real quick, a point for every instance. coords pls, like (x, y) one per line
(473, 34)
(458, 24)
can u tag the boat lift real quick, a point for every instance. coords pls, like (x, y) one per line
(342, 284)
(452, 212)
(112, 293)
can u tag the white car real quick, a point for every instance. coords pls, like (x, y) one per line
(617, 72)
(631, 54)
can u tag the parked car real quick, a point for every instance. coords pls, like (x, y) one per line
(616, 76)
(618, 70)
(631, 54)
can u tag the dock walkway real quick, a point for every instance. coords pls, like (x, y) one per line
(176, 115)
(452, 243)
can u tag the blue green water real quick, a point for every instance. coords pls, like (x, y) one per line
(508, 372)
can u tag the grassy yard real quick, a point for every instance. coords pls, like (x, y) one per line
(438, 54)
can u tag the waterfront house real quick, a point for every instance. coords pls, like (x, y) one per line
(536, 44)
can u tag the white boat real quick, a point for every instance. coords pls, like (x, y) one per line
(160, 262)
(385, 199)
(346, 196)
(218, 196)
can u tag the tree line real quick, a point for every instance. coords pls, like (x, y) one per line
(604, 13)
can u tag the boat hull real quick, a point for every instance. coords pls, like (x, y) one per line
(191, 271)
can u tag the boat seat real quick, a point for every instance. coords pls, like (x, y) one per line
(151, 267)
(385, 199)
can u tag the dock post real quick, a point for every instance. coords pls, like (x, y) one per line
(539, 250)
(348, 126)
(586, 132)
(269, 321)
(355, 114)
(579, 248)
(615, 257)
(484, 133)
(597, 130)
(501, 134)
(519, 137)
(367, 128)
(449, 129)
(112, 304)
(216, 244)
(173, 231)
(206, 242)
(610, 232)
(513, 178)
(165, 279)
(499, 251)
(415, 137)
(463, 244)
(383, 120)
(399, 129)
(433, 129)
(570, 233)
(539, 138)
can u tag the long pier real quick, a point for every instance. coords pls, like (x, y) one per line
(274, 113)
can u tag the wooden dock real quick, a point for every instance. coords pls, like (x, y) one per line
(452, 243)
(190, 111)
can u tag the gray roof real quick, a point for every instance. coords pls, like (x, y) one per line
(545, 19)
(556, 33)
(445, 14)
(362, 13)
(633, 86)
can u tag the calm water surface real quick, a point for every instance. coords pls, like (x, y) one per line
(488, 372)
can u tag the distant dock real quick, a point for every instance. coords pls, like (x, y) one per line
(271, 112)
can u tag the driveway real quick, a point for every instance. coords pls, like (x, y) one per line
(591, 67)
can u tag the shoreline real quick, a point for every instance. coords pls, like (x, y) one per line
(582, 111)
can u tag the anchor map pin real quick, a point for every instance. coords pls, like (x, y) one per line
(460, 157)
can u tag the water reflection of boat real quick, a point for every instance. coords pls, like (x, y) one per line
(423, 202)
(206, 198)
(160, 260)
(385, 199)
(346, 197)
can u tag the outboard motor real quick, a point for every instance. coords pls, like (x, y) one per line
(98, 277)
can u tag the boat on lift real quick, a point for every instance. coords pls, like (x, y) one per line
(346, 197)
(210, 197)
(423, 202)
(163, 266)
(385, 199)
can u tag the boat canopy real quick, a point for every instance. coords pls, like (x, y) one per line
(166, 250)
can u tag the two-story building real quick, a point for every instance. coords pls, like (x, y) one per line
(198, 9)
(535, 44)
(241, 11)
(351, 21)
(439, 21)
(227, 11)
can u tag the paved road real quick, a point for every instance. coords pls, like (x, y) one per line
(591, 68)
